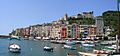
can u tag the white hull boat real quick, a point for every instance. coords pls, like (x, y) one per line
(109, 49)
(88, 44)
(38, 38)
(15, 37)
(46, 38)
(14, 48)
(70, 42)
(69, 47)
(46, 48)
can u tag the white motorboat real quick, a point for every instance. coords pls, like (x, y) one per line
(70, 42)
(14, 48)
(38, 38)
(88, 44)
(46, 48)
(15, 37)
(46, 38)
(69, 47)
(110, 48)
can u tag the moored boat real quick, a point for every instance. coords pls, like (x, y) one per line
(68, 54)
(70, 42)
(14, 48)
(69, 47)
(46, 38)
(46, 48)
(109, 49)
(90, 54)
(100, 52)
(14, 37)
(88, 44)
(38, 38)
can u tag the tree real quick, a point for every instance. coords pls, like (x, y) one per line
(112, 34)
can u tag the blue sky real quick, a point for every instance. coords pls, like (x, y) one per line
(21, 13)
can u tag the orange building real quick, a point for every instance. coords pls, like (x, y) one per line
(64, 32)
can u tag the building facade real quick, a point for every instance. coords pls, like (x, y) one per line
(66, 27)
(100, 25)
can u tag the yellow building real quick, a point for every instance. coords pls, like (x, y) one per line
(88, 30)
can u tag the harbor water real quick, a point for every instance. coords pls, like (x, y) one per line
(34, 48)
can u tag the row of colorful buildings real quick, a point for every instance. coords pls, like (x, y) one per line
(65, 27)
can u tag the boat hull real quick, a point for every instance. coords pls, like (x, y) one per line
(14, 50)
(15, 37)
(87, 45)
(48, 48)
(70, 43)
(69, 47)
